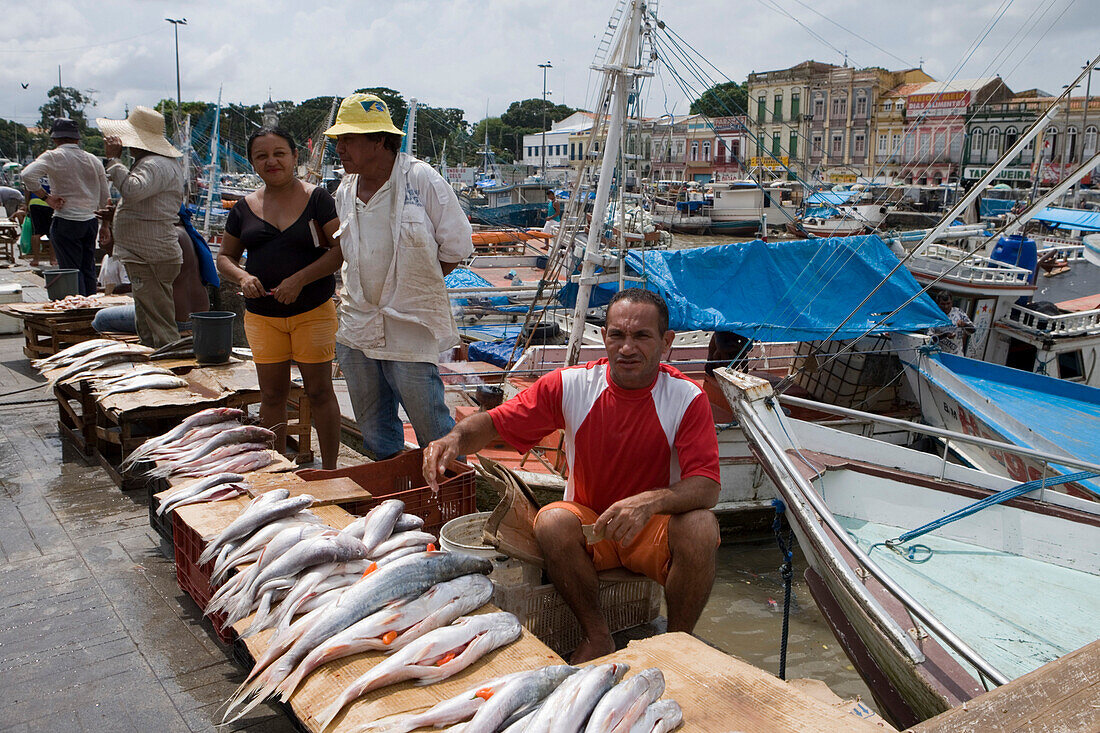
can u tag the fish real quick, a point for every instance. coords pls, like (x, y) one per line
(191, 440)
(517, 695)
(217, 455)
(448, 712)
(398, 624)
(401, 541)
(433, 657)
(379, 522)
(406, 578)
(519, 723)
(408, 523)
(71, 353)
(101, 357)
(187, 343)
(205, 417)
(105, 378)
(322, 548)
(282, 542)
(240, 463)
(242, 434)
(257, 541)
(626, 702)
(568, 708)
(403, 552)
(196, 487)
(221, 492)
(265, 508)
(146, 381)
(316, 581)
(662, 716)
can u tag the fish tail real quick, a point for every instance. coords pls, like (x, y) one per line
(258, 690)
(209, 553)
(310, 663)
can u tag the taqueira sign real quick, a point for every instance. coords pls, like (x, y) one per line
(1008, 174)
(769, 162)
(944, 104)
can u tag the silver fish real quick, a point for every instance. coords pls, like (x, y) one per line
(519, 694)
(448, 712)
(401, 541)
(196, 487)
(400, 553)
(311, 583)
(662, 716)
(406, 578)
(125, 374)
(240, 463)
(379, 522)
(626, 702)
(221, 492)
(519, 723)
(407, 523)
(147, 381)
(216, 456)
(570, 705)
(282, 542)
(242, 434)
(258, 540)
(433, 657)
(101, 357)
(71, 353)
(397, 625)
(172, 444)
(261, 510)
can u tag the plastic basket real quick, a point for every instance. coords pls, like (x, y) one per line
(402, 478)
(194, 579)
(627, 600)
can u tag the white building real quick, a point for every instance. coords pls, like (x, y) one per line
(557, 142)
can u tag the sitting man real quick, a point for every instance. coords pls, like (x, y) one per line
(643, 469)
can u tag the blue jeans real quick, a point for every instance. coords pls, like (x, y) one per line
(376, 388)
(123, 319)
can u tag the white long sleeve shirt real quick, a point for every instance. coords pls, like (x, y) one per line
(75, 175)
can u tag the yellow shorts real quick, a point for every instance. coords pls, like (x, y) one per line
(307, 338)
(648, 554)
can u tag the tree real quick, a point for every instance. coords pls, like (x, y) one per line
(527, 114)
(498, 134)
(17, 142)
(303, 120)
(434, 125)
(65, 102)
(722, 100)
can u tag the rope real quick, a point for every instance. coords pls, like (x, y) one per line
(787, 573)
(999, 497)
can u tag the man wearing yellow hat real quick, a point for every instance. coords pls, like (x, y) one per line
(401, 231)
(144, 225)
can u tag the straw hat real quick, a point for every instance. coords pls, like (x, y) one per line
(143, 129)
(362, 113)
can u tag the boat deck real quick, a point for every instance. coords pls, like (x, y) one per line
(1017, 612)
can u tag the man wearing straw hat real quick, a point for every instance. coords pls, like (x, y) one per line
(145, 221)
(401, 231)
(78, 186)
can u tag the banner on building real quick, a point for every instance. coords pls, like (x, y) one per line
(945, 104)
(769, 163)
(973, 173)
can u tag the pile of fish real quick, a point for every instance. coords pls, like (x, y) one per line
(207, 443)
(556, 699)
(218, 487)
(92, 359)
(377, 584)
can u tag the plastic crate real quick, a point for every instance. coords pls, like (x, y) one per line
(627, 600)
(402, 478)
(194, 579)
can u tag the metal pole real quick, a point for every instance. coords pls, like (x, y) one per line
(544, 67)
(60, 93)
(176, 23)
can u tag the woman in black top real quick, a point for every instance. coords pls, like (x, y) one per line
(287, 229)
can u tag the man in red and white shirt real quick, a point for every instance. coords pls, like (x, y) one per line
(643, 469)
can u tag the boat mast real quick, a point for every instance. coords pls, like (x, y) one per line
(621, 76)
(408, 144)
(315, 169)
(212, 176)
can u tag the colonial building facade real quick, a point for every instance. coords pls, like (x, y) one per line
(779, 117)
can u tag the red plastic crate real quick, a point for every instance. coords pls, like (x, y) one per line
(402, 478)
(194, 579)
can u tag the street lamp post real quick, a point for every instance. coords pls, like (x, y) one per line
(544, 67)
(176, 23)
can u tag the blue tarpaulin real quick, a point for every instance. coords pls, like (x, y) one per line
(995, 207)
(463, 278)
(494, 352)
(831, 198)
(787, 291)
(1086, 221)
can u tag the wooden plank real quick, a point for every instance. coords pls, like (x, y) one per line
(1063, 695)
(325, 491)
(322, 686)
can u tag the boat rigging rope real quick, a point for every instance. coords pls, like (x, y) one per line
(787, 573)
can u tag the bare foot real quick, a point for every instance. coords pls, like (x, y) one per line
(589, 649)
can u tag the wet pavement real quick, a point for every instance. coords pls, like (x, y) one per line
(94, 632)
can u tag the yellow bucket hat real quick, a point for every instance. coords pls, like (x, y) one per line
(362, 113)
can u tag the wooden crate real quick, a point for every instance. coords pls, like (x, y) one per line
(46, 335)
(76, 415)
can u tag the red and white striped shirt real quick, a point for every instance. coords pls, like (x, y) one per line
(619, 442)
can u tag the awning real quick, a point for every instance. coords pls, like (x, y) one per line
(1086, 221)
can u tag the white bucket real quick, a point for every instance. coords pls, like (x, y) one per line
(463, 534)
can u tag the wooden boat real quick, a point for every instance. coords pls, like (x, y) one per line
(1031, 410)
(932, 623)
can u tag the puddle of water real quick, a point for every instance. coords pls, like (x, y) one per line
(744, 617)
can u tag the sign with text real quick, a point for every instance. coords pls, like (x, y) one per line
(769, 163)
(973, 173)
(945, 104)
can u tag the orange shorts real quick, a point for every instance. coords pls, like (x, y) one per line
(648, 554)
(307, 338)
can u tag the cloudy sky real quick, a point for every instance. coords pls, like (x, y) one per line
(479, 55)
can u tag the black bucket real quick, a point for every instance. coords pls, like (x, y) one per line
(213, 335)
(61, 283)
